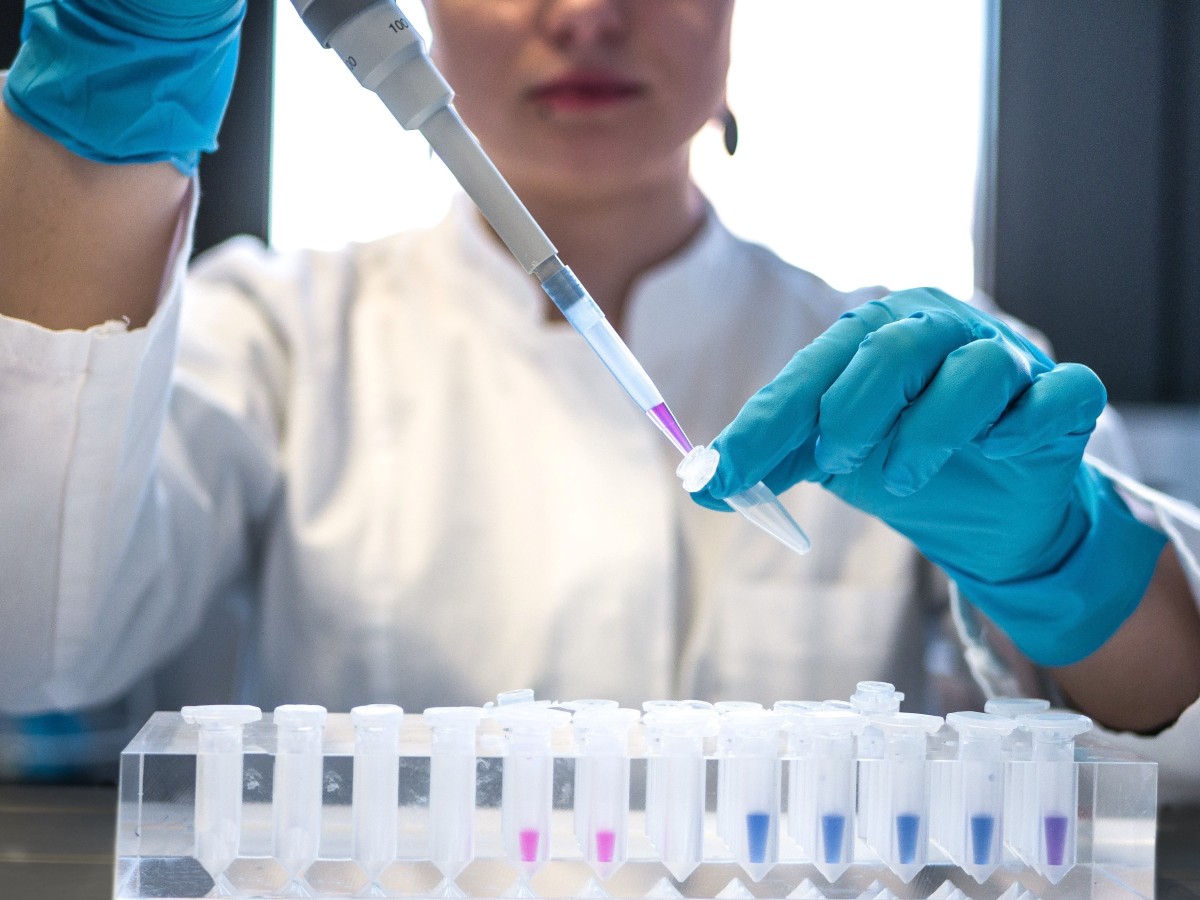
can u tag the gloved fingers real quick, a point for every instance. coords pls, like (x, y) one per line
(892, 366)
(1064, 401)
(969, 393)
(782, 416)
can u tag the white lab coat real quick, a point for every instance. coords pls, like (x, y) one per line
(380, 474)
(428, 491)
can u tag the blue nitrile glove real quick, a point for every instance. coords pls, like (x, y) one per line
(127, 81)
(964, 437)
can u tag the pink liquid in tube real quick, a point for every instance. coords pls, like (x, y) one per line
(529, 844)
(605, 843)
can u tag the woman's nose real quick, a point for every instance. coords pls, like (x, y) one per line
(583, 22)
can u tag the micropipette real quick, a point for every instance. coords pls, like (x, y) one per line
(376, 786)
(602, 786)
(218, 821)
(749, 773)
(380, 47)
(675, 783)
(452, 790)
(974, 824)
(296, 790)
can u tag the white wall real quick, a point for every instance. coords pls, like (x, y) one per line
(859, 126)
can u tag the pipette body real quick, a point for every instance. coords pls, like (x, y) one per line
(382, 50)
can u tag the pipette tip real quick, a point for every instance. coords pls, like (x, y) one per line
(758, 504)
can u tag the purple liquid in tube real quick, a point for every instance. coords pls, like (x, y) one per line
(1056, 839)
(666, 421)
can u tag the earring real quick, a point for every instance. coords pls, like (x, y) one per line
(730, 128)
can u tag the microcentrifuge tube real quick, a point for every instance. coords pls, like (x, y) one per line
(676, 776)
(452, 732)
(528, 783)
(974, 828)
(602, 786)
(218, 815)
(1057, 789)
(375, 797)
(1020, 830)
(727, 826)
(898, 812)
(749, 768)
(296, 790)
(824, 810)
(872, 698)
(758, 503)
(797, 750)
(654, 797)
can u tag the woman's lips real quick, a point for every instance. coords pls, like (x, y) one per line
(584, 92)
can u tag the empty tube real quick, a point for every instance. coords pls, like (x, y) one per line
(675, 783)
(871, 698)
(296, 790)
(602, 786)
(218, 816)
(376, 785)
(452, 788)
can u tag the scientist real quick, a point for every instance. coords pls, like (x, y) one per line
(390, 472)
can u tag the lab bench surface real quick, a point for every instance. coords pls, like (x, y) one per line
(56, 842)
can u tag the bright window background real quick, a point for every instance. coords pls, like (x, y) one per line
(860, 133)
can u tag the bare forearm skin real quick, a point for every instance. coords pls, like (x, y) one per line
(1147, 673)
(81, 243)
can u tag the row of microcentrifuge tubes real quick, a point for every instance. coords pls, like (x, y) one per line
(858, 770)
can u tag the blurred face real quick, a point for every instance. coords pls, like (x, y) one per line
(583, 96)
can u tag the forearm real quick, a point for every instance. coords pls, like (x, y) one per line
(81, 242)
(1148, 672)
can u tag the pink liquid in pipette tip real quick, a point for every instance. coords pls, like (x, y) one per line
(663, 418)
(605, 843)
(529, 844)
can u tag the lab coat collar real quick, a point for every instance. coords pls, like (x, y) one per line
(702, 262)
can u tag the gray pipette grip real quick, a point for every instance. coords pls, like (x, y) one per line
(387, 56)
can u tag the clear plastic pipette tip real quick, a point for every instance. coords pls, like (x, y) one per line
(758, 503)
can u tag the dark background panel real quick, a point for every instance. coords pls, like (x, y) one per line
(235, 180)
(1096, 231)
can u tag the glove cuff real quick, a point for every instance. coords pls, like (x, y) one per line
(114, 96)
(1065, 615)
